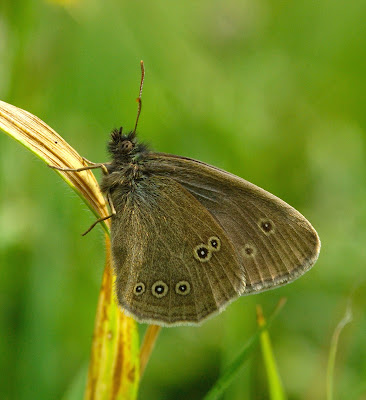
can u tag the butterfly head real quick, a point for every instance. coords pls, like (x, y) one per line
(124, 147)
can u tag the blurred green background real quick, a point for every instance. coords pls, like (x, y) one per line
(271, 91)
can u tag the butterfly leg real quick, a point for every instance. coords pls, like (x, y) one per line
(110, 202)
(96, 222)
(98, 165)
(90, 162)
(92, 166)
(113, 212)
(104, 169)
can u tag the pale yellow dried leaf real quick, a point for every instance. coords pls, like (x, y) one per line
(48, 145)
(114, 364)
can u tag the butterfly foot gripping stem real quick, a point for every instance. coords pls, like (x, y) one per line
(91, 166)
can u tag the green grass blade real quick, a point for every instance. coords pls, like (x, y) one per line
(232, 370)
(347, 318)
(276, 391)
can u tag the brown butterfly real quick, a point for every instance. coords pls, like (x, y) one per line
(189, 238)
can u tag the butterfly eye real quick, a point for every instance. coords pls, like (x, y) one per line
(159, 289)
(267, 226)
(139, 289)
(126, 146)
(183, 288)
(214, 243)
(202, 253)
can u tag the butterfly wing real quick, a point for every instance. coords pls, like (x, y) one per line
(272, 240)
(172, 259)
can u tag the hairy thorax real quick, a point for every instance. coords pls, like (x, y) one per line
(124, 182)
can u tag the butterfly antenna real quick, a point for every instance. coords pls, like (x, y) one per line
(139, 98)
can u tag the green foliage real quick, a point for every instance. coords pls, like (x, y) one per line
(275, 388)
(346, 319)
(271, 91)
(240, 360)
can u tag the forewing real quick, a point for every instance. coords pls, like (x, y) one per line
(167, 270)
(273, 241)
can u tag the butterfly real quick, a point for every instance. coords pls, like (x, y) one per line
(189, 238)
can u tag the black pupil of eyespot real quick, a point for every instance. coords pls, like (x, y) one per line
(202, 252)
(159, 289)
(182, 288)
(138, 289)
(249, 250)
(267, 226)
(213, 243)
